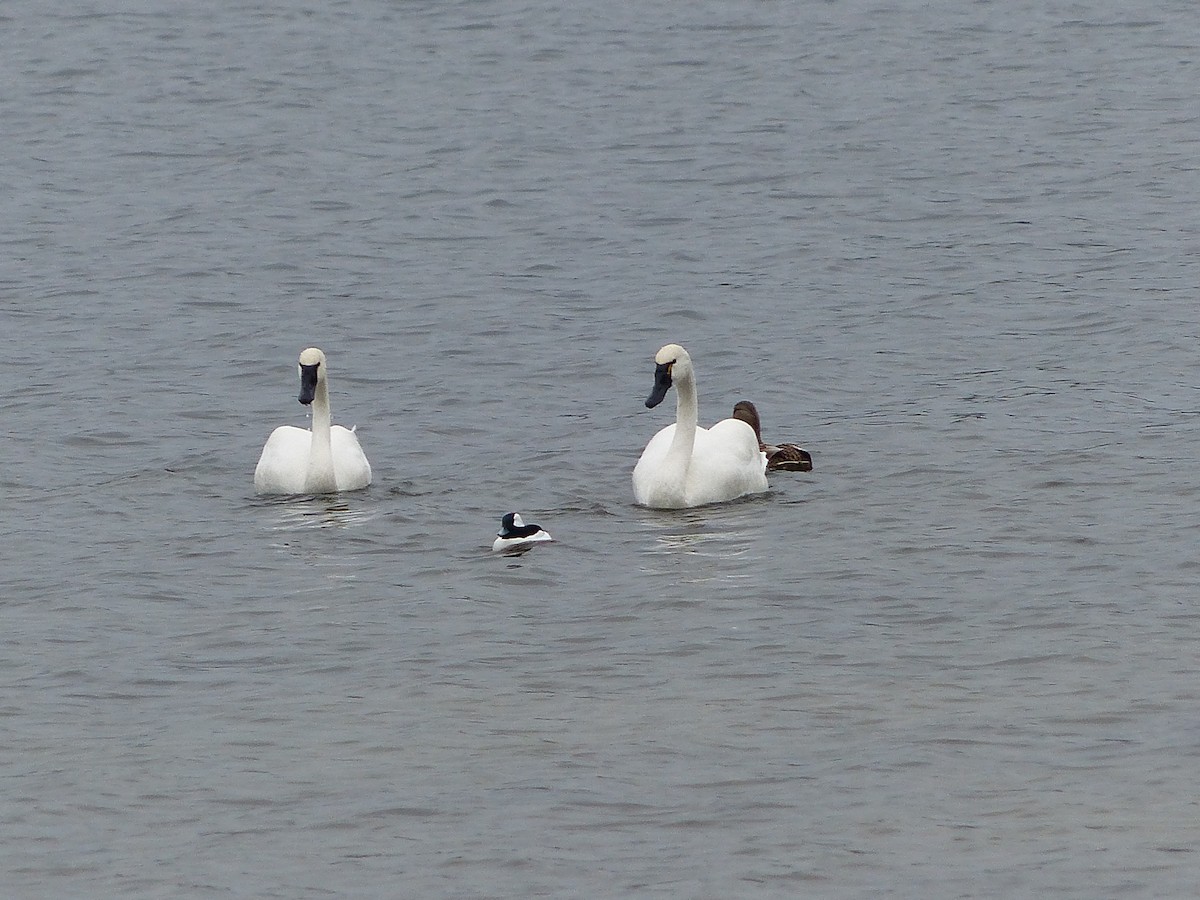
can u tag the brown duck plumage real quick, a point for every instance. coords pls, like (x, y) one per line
(781, 458)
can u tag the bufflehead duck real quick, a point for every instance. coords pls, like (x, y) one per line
(785, 457)
(515, 533)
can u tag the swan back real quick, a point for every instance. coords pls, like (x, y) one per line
(685, 465)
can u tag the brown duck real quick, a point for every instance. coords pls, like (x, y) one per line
(783, 458)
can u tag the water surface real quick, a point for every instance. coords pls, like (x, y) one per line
(948, 247)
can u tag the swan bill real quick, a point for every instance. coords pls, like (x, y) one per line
(662, 384)
(309, 375)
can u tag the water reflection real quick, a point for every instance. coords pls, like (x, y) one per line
(319, 511)
(517, 550)
(724, 543)
(702, 545)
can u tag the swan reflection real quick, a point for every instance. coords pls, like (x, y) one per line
(321, 511)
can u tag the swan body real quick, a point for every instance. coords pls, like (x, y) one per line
(515, 533)
(321, 461)
(686, 465)
(782, 458)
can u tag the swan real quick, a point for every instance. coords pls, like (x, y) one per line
(785, 457)
(685, 465)
(515, 533)
(322, 461)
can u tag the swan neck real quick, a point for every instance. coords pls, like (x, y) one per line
(685, 418)
(321, 477)
(320, 408)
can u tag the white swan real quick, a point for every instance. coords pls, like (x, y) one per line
(321, 461)
(684, 465)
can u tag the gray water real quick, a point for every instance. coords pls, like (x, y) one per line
(950, 247)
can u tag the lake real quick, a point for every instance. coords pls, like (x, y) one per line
(948, 247)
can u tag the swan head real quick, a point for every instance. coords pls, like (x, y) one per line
(671, 362)
(312, 371)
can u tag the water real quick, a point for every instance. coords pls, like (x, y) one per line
(948, 247)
